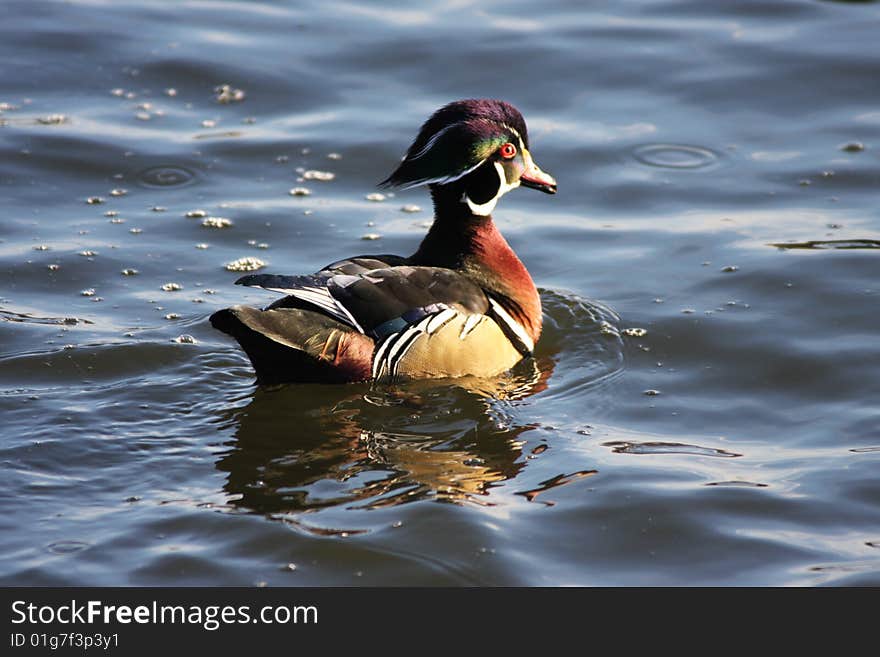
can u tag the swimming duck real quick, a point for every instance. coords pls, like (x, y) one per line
(462, 304)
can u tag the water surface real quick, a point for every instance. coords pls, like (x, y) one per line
(702, 408)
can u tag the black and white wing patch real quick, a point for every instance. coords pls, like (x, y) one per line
(425, 321)
(376, 302)
(514, 331)
(311, 289)
(391, 351)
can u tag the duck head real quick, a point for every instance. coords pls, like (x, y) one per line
(476, 150)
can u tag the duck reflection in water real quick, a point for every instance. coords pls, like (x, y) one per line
(304, 448)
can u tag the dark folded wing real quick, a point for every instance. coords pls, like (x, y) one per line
(378, 301)
(363, 264)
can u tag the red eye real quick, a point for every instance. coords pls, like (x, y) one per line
(508, 151)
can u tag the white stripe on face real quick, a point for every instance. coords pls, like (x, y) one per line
(441, 180)
(514, 131)
(485, 209)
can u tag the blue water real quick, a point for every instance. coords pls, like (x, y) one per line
(702, 408)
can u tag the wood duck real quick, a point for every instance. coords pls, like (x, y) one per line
(462, 304)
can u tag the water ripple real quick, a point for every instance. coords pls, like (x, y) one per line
(676, 156)
(830, 244)
(671, 167)
(166, 176)
(626, 447)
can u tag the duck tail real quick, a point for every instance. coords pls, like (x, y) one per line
(296, 345)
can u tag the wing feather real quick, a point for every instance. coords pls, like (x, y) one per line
(377, 301)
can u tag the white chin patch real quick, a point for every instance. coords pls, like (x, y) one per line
(485, 209)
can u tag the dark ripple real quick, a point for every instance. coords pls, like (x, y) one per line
(166, 176)
(676, 156)
(830, 244)
(555, 482)
(10, 316)
(67, 547)
(627, 447)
